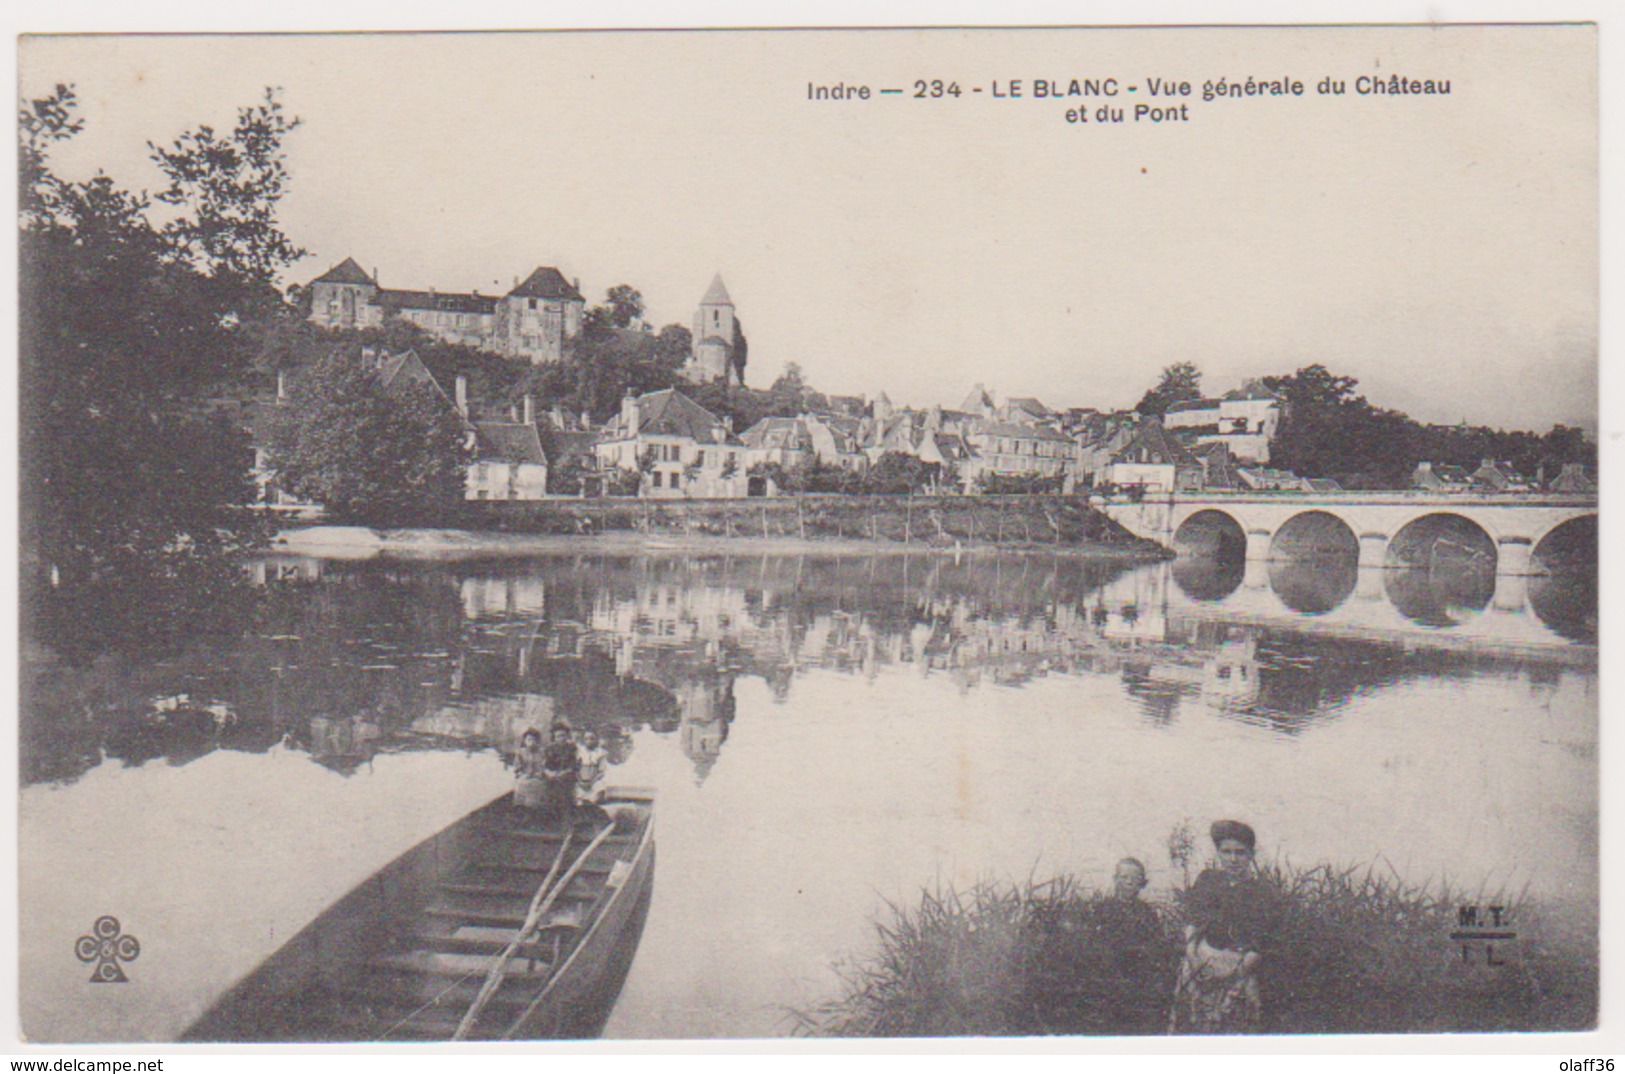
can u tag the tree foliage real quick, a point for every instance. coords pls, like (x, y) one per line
(625, 306)
(1178, 383)
(125, 332)
(227, 189)
(365, 451)
(739, 356)
(1328, 429)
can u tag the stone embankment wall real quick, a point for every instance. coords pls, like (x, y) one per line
(930, 521)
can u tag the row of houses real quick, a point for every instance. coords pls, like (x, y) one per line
(663, 444)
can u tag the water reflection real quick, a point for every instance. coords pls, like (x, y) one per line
(345, 661)
(1443, 596)
(1315, 586)
(1460, 594)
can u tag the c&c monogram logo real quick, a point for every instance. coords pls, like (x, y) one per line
(107, 947)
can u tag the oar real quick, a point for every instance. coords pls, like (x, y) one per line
(548, 897)
(558, 860)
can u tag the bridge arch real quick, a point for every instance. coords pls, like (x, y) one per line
(1211, 533)
(1443, 538)
(1569, 545)
(1314, 535)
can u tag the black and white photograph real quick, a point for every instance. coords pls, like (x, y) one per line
(1080, 533)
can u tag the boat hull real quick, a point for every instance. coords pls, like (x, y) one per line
(354, 973)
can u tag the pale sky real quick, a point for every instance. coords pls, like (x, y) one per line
(1442, 249)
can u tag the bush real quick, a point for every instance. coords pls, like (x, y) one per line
(1354, 951)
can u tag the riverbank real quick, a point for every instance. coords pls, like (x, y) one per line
(1353, 951)
(358, 542)
(781, 526)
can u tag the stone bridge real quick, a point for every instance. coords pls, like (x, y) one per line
(1521, 533)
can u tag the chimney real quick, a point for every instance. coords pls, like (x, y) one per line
(530, 409)
(462, 395)
(629, 411)
(576, 283)
(513, 412)
(281, 385)
(558, 416)
(375, 275)
(586, 420)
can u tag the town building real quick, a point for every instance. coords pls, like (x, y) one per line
(535, 321)
(717, 336)
(1155, 461)
(509, 461)
(1572, 478)
(1431, 477)
(1496, 476)
(679, 448)
(1009, 449)
(1244, 420)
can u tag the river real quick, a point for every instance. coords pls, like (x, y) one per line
(827, 734)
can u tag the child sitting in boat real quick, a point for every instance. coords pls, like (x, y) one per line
(590, 772)
(530, 788)
(560, 763)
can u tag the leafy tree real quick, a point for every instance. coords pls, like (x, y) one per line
(791, 395)
(571, 476)
(741, 351)
(673, 346)
(897, 472)
(367, 452)
(994, 484)
(227, 189)
(624, 305)
(1179, 382)
(124, 334)
(623, 482)
(1328, 429)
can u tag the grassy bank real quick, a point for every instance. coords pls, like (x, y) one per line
(1355, 951)
(923, 521)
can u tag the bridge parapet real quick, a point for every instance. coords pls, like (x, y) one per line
(1511, 523)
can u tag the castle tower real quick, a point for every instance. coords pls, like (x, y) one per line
(713, 342)
(340, 296)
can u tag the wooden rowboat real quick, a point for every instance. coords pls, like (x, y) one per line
(500, 927)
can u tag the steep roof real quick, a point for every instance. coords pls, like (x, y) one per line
(562, 444)
(346, 271)
(546, 282)
(1154, 445)
(1031, 406)
(450, 302)
(717, 293)
(1192, 404)
(407, 367)
(1218, 465)
(953, 447)
(671, 413)
(1023, 432)
(976, 400)
(1573, 478)
(773, 432)
(509, 442)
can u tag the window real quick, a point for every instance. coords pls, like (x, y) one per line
(533, 303)
(654, 479)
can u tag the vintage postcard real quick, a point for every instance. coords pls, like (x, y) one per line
(749, 534)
